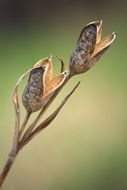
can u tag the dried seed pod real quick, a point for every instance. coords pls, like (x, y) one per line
(83, 50)
(32, 95)
(89, 48)
(34, 90)
(41, 86)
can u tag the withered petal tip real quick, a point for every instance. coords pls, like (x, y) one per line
(115, 33)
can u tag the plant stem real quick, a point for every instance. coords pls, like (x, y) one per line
(7, 167)
(16, 145)
(24, 124)
(47, 121)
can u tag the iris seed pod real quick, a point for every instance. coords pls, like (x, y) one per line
(89, 48)
(41, 86)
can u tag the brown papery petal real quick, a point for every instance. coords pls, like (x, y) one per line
(53, 84)
(99, 32)
(106, 42)
(52, 89)
(101, 48)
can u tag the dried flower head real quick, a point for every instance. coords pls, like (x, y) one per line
(89, 48)
(41, 86)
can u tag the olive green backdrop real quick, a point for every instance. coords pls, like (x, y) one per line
(85, 146)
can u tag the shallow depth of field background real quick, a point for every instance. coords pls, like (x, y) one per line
(86, 145)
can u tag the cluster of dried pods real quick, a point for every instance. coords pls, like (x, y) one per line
(42, 89)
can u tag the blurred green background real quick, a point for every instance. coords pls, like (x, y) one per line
(85, 146)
